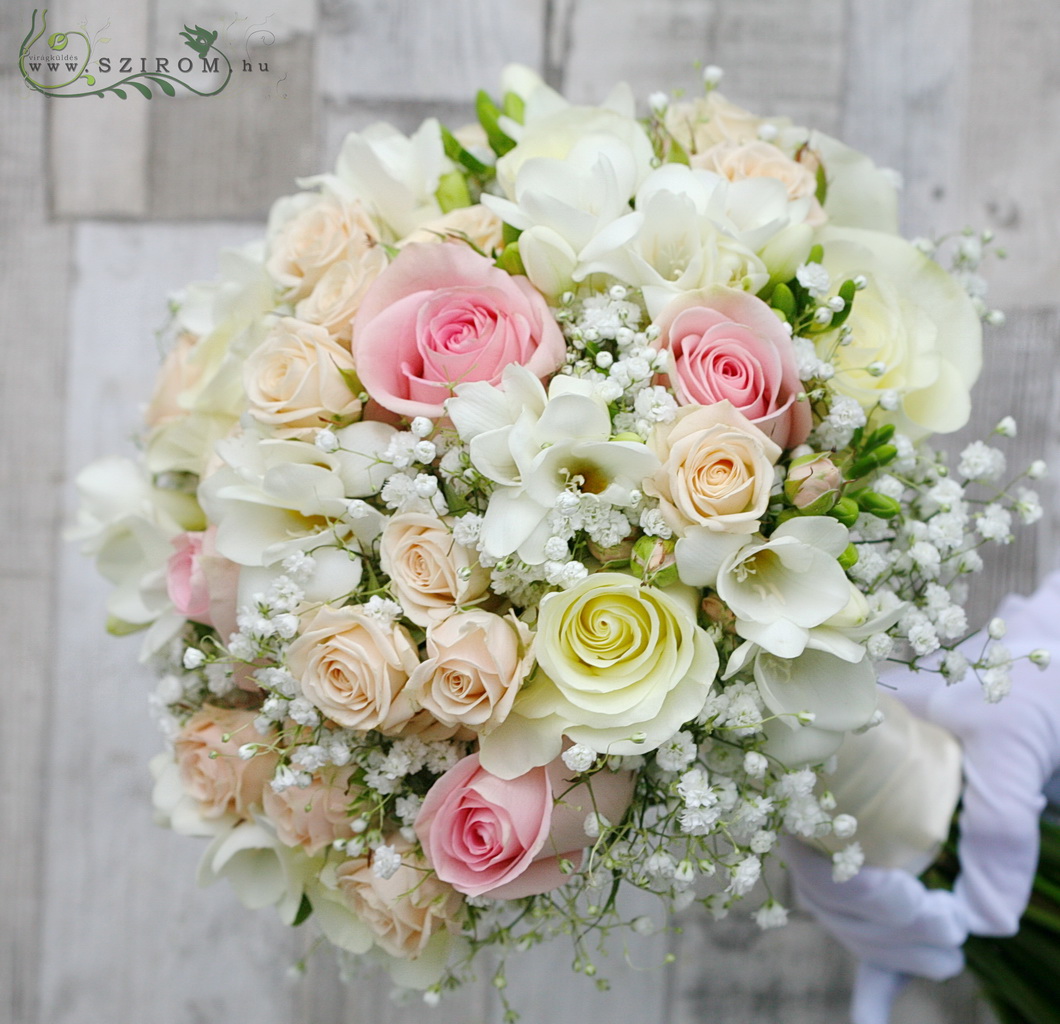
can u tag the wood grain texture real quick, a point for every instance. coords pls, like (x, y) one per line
(33, 292)
(404, 49)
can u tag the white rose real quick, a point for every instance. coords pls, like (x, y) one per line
(914, 319)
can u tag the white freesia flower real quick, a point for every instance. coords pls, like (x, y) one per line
(692, 229)
(127, 525)
(562, 204)
(274, 497)
(394, 175)
(222, 322)
(554, 134)
(535, 447)
(780, 588)
(839, 695)
(261, 869)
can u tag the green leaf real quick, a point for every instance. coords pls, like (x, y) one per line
(783, 300)
(165, 86)
(305, 908)
(143, 89)
(120, 93)
(510, 260)
(822, 185)
(846, 511)
(119, 627)
(677, 154)
(514, 107)
(816, 254)
(452, 192)
(353, 382)
(459, 155)
(489, 117)
(869, 461)
(509, 233)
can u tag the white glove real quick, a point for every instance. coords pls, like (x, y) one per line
(887, 918)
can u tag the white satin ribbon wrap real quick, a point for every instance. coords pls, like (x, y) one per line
(901, 780)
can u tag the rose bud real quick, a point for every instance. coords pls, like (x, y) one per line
(813, 484)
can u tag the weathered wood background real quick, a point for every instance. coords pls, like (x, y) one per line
(107, 206)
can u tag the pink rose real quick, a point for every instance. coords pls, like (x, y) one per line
(185, 579)
(442, 315)
(729, 345)
(207, 752)
(506, 837)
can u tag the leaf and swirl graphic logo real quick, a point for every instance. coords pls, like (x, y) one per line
(60, 66)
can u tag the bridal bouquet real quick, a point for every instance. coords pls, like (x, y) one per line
(524, 519)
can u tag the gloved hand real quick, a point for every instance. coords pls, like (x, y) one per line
(886, 917)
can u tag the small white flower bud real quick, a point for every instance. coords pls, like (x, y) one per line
(193, 658)
(326, 440)
(1040, 657)
(712, 75)
(1006, 427)
(421, 426)
(997, 629)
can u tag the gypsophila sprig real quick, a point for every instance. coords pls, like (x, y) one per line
(524, 524)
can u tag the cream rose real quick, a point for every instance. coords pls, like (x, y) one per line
(336, 297)
(179, 373)
(476, 662)
(476, 223)
(354, 668)
(717, 470)
(708, 120)
(295, 379)
(756, 159)
(403, 911)
(207, 752)
(309, 232)
(622, 668)
(427, 567)
(312, 816)
(915, 321)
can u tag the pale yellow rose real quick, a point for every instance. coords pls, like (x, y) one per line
(427, 567)
(476, 223)
(757, 159)
(913, 323)
(313, 816)
(717, 470)
(622, 667)
(476, 662)
(354, 668)
(405, 910)
(296, 379)
(311, 231)
(336, 297)
(211, 769)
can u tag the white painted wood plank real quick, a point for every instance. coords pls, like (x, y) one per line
(1013, 144)
(658, 45)
(405, 49)
(98, 146)
(33, 285)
